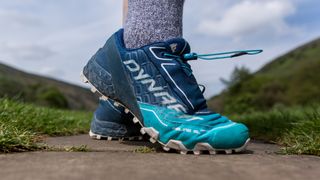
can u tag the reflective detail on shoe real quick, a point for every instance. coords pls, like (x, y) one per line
(174, 82)
(155, 114)
(151, 49)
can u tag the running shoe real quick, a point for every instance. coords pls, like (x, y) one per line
(156, 85)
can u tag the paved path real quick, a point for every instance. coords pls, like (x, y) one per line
(116, 160)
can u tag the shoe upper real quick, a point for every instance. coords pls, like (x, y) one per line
(109, 120)
(161, 80)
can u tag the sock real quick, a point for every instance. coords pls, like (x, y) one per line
(150, 21)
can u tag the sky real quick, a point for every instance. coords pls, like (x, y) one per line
(55, 38)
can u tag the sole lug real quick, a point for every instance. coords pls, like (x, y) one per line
(135, 120)
(196, 152)
(174, 144)
(183, 152)
(93, 89)
(212, 152)
(203, 147)
(243, 147)
(152, 132)
(153, 140)
(142, 131)
(104, 98)
(165, 148)
(98, 137)
(83, 78)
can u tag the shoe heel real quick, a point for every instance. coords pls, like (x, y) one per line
(99, 78)
(112, 80)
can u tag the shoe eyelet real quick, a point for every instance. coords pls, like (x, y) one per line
(162, 54)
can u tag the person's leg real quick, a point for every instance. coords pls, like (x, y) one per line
(149, 21)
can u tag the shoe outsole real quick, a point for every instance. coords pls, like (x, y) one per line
(198, 149)
(111, 138)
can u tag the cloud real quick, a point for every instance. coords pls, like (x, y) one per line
(10, 19)
(249, 16)
(25, 52)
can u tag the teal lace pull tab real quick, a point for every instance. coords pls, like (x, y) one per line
(223, 55)
(190, 56)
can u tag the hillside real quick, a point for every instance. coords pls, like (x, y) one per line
(44, 91)
(292, 79)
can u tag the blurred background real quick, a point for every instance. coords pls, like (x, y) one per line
(55, 38)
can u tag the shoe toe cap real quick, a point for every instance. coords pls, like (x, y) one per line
(230, 137)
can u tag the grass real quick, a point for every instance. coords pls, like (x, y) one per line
(145, 149)
(298, 128)
(81, 148)
(22, 125)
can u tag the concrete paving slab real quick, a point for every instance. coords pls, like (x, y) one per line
(116, 160)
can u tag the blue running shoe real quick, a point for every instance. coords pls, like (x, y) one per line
(112, 123)
(155, 84)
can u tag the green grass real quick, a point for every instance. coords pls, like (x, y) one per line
(145, 149)
(298, 128)
(22, 125)
(81, 148)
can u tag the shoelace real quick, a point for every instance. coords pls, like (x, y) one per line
(214, 56)
(184, 58)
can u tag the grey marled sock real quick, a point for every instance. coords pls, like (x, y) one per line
(152, 20)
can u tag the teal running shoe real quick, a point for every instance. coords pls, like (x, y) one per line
(156, 85)
(111, 123)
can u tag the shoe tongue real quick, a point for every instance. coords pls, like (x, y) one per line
(186, 81)
(178, 46)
